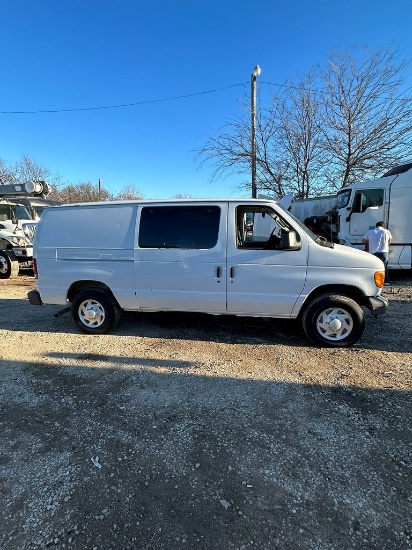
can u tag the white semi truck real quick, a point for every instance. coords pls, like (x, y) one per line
(18, 224)
(356, 209)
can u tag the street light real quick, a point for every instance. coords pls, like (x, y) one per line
(255, 74)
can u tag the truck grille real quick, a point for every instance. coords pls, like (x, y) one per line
(29, 229)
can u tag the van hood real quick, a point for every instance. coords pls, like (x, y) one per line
(342, 256)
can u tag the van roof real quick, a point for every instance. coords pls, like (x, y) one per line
(146, 202)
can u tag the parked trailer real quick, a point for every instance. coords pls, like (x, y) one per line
(318, 214)
(312, 207)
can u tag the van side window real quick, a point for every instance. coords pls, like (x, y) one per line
(186, 227)
(259, 227)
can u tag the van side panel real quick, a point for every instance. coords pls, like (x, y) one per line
(74, 244)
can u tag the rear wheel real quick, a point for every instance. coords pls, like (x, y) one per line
(333, 321)
(95, 311)
(9, 268)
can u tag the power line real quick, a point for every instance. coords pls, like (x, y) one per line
(121, 105)
(174, 98)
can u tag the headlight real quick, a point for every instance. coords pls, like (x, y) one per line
(18, 241)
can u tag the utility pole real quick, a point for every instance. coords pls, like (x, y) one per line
(100, 187)
(255, 74)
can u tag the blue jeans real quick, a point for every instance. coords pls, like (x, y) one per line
(384, 257)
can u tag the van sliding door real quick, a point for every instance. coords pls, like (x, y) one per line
(179, 258)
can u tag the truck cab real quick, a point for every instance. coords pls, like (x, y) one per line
(20, 209)
(389, 199)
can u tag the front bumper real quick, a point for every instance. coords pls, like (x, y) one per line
(34, 298)
(377, 305)
(23, 254)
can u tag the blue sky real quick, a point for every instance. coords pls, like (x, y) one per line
(63, 55)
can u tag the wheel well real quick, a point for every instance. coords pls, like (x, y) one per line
(345, 290)
(78, 286)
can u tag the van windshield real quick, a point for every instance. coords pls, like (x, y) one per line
(319, 240)
(300, 224)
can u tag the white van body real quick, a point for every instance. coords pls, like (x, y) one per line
(201, 256)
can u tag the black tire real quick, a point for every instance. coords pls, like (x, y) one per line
(333, 321)
(95, 311)
(8, 268)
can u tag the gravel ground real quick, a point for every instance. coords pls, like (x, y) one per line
(191, 431)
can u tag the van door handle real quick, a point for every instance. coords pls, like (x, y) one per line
(219, 272)
(232, 272)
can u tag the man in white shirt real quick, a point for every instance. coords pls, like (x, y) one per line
(378, 241)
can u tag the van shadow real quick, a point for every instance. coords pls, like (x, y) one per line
(20, 315)
(216, 328)
(141, 449)
(381, 333)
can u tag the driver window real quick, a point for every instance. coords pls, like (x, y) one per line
(371, 198)
(259, 228)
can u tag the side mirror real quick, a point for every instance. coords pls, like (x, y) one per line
(14, 221)
(289, 241)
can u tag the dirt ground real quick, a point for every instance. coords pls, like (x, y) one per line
(192, 431)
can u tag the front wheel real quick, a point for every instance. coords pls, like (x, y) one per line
(333, 321)
(95, 311)
(9, 268)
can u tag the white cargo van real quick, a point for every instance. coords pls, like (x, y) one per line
(209, 256)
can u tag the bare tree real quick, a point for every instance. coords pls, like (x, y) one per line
(89, 192)
(79, 192)
(368, 116)
(127, 193)
(182, 196)
(27, 169)
(299, 135)
(329, 128)
(6, 173)
(229, 152)
(288, 153)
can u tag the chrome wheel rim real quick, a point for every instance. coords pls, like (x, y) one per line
(3, 265)
(91, 313)
(334, 324)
